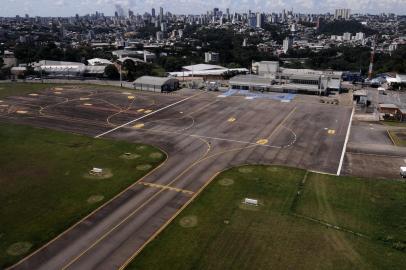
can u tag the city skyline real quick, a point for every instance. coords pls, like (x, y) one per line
(108, 7)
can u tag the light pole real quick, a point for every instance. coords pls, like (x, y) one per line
(121, 77)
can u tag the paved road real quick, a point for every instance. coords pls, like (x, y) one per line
(202, 136)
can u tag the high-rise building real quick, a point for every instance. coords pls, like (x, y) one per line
(163, 27)
(347, 36)
(260, 19)
(342, 13)
(287, 44)
(153, 12)
(161, 13)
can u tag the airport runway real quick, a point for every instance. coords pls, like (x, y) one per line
(202, 135)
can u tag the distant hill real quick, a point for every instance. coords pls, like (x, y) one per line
(339, 27)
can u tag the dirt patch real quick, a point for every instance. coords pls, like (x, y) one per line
(156, 155)
(144, 167)
(188, 222)
(19, 248)
(130, 156)
(245, 170)
(95, 199)
(104, 175)
(226, 182)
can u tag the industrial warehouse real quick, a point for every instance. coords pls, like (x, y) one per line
(269, 76)
(156, 84)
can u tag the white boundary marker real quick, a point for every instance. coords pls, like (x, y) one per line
(142, 117)
(340, 166)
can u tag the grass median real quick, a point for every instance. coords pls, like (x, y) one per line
(46, 184)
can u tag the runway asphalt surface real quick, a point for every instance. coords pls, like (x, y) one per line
(202, 135)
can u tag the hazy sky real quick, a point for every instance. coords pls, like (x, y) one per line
(71, 7)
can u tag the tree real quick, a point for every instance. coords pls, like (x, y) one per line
(111, 72)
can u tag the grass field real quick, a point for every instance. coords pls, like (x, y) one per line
(394, 123)
(46, 186)
(11, 89)
(293, 228)
(398, 137)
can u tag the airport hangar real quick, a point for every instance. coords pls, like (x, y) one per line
(271, 77)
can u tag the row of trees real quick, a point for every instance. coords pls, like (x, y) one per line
(350, 59)
(28, 53)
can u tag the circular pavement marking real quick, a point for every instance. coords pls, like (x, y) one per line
(156, 155)
(262, 141)
(104, 175)
(19, 248)
(143, 167)
(130, 156)
(188, 222)
(245, 170)
(95, 199)
(226, 182)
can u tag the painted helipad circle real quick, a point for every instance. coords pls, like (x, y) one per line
(245, 170)
(19, 248)
(188, 222)
(95, 199)
(144, 167)
(156, 155)
(226, 182)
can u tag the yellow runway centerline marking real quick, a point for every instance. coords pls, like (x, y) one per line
(131, 97)
(139, 125)
(166, 188)
(148, 111)
(331, 131)
(231, 119)
(140, 110)
(262, 141)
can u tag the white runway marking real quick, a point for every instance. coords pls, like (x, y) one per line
(142, 117)
(340, 166)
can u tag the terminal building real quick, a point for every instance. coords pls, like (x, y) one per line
(269, 76)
